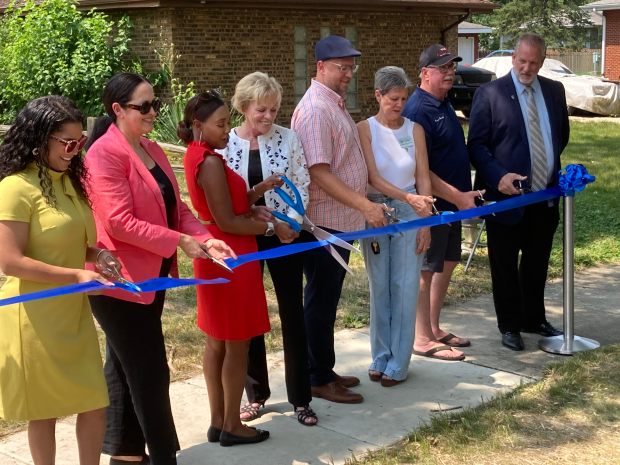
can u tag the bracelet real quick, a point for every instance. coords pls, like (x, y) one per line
(254, 189)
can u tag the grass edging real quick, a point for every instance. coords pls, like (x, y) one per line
(567, 408)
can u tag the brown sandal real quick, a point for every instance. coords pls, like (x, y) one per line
(250, 410)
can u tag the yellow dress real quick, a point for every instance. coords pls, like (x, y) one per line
(50, 364)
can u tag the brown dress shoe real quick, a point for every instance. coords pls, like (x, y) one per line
(335, 392)
(347, 381)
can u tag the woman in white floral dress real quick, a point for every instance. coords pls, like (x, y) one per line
(257, 149)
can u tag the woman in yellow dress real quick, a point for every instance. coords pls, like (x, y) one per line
(50, 364)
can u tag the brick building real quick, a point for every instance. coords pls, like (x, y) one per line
(221, 41)
(611, 36)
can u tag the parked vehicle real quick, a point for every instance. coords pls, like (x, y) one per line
(500, 53)
(466, 80)
(586, 93)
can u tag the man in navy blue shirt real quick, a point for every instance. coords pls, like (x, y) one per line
(450, 173)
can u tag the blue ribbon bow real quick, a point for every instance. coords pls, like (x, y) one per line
(574, 178)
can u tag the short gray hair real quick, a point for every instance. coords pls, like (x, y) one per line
(389, 77)
(533, 40)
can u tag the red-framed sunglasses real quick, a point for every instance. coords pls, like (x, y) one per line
(145, 107)
(71, 145)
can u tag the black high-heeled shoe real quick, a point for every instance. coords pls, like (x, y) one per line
(228, 439)
(213, 434)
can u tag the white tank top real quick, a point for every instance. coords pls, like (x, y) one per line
(394, 153)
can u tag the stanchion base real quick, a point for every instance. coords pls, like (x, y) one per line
(557, 345)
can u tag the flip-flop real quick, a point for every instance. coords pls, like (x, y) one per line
(432, 353)
(448, 337)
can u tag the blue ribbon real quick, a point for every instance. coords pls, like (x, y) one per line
(572, 179)
(150, 285)
(445, 218)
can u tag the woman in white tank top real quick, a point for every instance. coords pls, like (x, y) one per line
(395, 152)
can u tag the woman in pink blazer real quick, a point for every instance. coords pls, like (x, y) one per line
(141, 218)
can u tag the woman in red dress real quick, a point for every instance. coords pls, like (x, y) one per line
(229, 314)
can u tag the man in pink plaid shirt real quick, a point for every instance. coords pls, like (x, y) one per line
(337, 203)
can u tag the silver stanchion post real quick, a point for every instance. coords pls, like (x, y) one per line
(568, 343)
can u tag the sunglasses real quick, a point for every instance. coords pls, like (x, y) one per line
(145, 107)
(71, 145)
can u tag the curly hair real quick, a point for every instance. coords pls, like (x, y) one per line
(27, 141)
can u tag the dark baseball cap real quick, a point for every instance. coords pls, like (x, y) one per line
(334, 47)
(437, 55)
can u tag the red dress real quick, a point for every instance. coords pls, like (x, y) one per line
(236, 310)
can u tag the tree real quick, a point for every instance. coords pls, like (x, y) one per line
(52, 48)
(560, 22)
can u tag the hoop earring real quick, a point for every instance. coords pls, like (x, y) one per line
(35, 151)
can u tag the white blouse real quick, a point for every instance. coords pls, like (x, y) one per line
(280, 152)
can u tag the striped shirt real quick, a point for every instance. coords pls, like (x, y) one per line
(329, 135)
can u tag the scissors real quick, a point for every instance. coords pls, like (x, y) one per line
(111, 269)
(218, 262)
(296, 204)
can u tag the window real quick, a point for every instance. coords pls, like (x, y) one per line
(301, 62)
(352, 101)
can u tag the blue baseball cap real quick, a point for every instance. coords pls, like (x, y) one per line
(334, 47)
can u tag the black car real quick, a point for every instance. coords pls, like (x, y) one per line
(466, 80)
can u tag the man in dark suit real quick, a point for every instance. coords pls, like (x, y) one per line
(517, 131)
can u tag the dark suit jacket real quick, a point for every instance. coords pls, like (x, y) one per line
(497, 140)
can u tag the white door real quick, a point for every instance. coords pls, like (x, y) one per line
(466, 50)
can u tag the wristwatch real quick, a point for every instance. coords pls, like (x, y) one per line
(270, 229)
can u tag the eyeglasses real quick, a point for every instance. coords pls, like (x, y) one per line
(345, 68)
(71, 145)
(445, 69)
(145, 107)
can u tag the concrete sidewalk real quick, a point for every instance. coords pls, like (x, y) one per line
(387, 414)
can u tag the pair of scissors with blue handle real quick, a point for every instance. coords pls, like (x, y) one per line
(296, 204)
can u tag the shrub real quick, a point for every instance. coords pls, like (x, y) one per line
(165, 128)
(52, 48)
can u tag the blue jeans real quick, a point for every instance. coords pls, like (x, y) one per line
(394, 277)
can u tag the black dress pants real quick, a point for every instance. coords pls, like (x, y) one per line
(138, 379)
(519, 285)
(287, 277)
(324, 279)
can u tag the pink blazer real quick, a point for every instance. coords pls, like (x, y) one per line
(129, 209)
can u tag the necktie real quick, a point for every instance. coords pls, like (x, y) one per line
(538, 155)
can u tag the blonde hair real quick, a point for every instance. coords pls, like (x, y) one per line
(256, 87)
